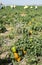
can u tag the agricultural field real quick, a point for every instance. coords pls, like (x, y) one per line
(21, 35)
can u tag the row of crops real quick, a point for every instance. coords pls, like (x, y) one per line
(21, 36)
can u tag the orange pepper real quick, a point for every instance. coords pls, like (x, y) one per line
(16, 55)
(19, 59)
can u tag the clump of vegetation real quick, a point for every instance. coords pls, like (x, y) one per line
(2, 29)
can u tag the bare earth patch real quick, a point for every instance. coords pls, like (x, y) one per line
(23, 14)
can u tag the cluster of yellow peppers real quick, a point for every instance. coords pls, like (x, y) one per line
(16, 55)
